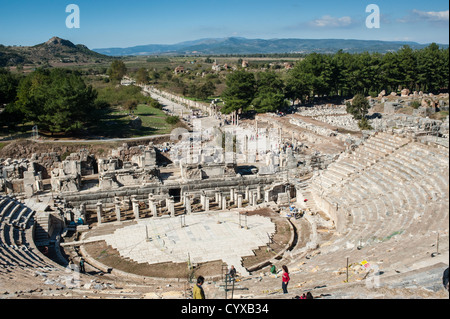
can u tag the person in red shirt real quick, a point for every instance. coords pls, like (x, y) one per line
(285, 279)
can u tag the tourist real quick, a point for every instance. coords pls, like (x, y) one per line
(198, 292)
(273, 270)
(82, 270)
(232, 273)
(308, 295)
(285, 279)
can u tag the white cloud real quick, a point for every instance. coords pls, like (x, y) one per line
(432, 15)
(329, 21)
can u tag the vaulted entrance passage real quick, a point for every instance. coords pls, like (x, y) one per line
(176, 193)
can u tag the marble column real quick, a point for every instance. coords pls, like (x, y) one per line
(224, 202)
(187, 202)
(117, 209)
(220, 200)
(255, 198)
(99, 212)
(135, 204)
(171, 207)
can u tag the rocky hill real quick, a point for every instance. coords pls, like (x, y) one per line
(54, 52)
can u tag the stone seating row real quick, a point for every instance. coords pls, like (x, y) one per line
(16, 240)
(387, 197)
(375, 148)
(15, 213)
(368, 221)
(417, 165)
(395, 209)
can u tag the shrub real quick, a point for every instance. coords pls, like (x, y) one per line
(364, 124)
(172, 120)
(415, 104)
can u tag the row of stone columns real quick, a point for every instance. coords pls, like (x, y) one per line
(252, 196)
(135, 207)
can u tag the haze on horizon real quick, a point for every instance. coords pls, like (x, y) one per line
(105, 24)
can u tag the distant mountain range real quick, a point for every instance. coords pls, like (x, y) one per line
(55, 51)
(60, 52)
(237, 45)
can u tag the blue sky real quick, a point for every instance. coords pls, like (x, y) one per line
(137, 22)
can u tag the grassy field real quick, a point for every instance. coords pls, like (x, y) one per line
(117, 123)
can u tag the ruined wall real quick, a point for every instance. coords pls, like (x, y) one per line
(142, 191)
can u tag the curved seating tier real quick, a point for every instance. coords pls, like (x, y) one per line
(390, 195)
(389, 199)
(19, 257)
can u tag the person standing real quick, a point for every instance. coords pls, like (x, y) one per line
(232, 273)
(198, 292)
(82, 270)
(285, 279)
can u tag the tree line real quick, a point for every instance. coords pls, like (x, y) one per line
(56, 100)
(59, 100)
(340, 74)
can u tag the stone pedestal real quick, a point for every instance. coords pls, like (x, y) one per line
(266, 196)
(171, 207)
(239, 201)
(154, 209)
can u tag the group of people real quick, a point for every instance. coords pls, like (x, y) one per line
(81, 268)
(199, 293)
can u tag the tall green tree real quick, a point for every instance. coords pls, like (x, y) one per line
(315, 72)
(269, 95)
(142, 76)
(117, 70)
(431, 64)
(240, 91)
(407, 60)
(57, 100)
(205, 90)
(295, 88)
(359, 107)
(8, 86)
